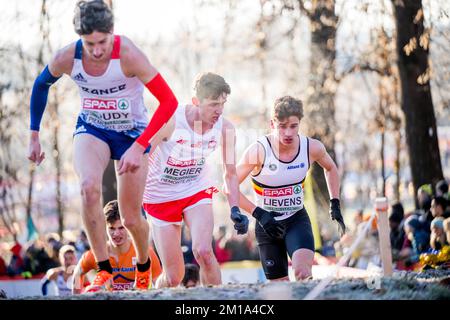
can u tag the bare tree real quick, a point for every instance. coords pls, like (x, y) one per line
(416, 100)
(53, 107)
(320, 107)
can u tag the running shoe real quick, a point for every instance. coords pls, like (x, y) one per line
(103, 281)
(143, 280)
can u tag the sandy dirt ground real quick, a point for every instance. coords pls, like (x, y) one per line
(427, 285)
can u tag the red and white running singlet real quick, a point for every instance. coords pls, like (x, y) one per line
(111, 101)
(178, 168)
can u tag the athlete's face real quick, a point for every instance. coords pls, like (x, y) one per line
(70, 259)
(286, 129)
(98, 44)
(211, 109)
(117, 233)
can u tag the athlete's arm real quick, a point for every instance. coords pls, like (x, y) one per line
(318, 153)
(163, 135)
(230, 177)
(80, 270)
(135, 63)
(50, 275)
(231, 187)
(61, 63)
(251, 161)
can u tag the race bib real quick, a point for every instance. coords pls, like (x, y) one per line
(283, 200)
(182, 171)
(112, 114)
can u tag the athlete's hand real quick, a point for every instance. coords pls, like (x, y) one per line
(131, 159)
(240, 220)
(272, 227)
(34, 150)
(335, 213)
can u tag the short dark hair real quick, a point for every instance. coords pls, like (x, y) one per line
(397, 212)
(442, 186)
(111, 211)
(210, 85)
(192, 272)
(440, 201)
(287, 106)
(92, 16)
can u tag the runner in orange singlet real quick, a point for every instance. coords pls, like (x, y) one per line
(122, 255)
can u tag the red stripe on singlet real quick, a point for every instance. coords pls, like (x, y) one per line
(116, 48)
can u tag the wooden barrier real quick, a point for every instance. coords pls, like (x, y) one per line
(381, 207)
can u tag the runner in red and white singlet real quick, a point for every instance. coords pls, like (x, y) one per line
(180, 185)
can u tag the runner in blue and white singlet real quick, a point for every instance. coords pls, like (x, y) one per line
(111, 73)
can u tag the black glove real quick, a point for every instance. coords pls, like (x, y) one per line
(335, 212)
(272, 227)
(240, 220)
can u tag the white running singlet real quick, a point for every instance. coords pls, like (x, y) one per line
(61, 285)
(279, 185)
(111, 101)
(178, 168)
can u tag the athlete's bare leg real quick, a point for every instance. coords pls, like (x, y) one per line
(302, 261)
(167, 241)
(200, 221)
(91, 156)
(130, 189)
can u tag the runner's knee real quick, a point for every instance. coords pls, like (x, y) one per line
(203, 254)
(131, 223)
(302, 272)
(174, 278)
(90, 191)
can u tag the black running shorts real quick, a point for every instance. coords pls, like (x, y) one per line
(272, 252)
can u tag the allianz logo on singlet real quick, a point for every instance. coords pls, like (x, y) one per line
(301, 165)
(124, 269)
(105, 91)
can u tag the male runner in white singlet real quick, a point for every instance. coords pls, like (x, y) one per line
(179, 184)
(111, 73)
(61, 275)
(278, 164)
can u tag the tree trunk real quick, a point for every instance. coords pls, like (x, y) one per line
(30, 197)
(398, 140)
(58, 166)
(416, 101)
(109, 185)
(319, 109)
(383, 168)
